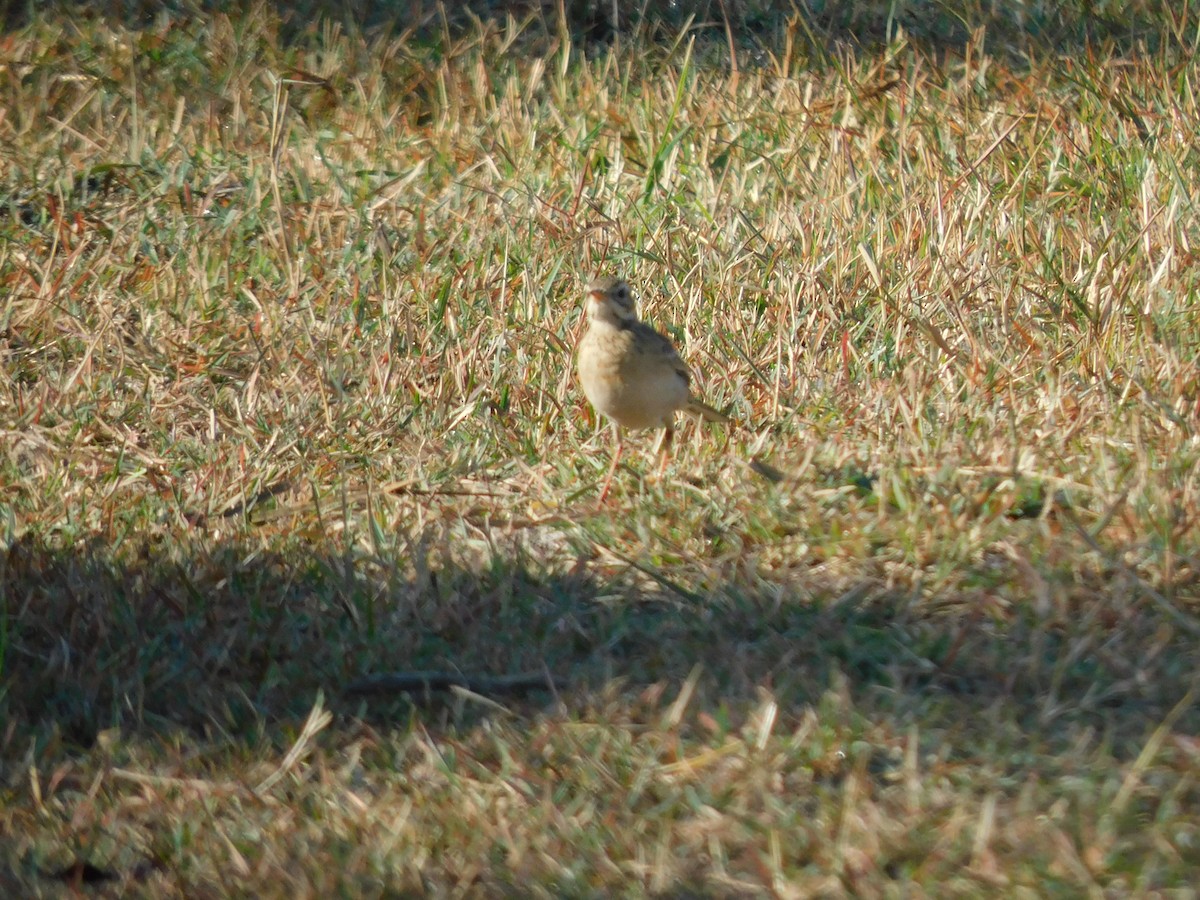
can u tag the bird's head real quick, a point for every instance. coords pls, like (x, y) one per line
(610, 300)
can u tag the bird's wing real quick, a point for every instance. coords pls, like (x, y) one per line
(659, 346)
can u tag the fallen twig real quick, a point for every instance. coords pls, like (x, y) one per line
(413, 682)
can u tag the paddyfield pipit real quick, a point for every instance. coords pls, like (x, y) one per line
(631, 373)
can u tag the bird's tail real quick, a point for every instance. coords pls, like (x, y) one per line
(707, 413)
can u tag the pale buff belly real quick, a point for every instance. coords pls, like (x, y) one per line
(633, 393)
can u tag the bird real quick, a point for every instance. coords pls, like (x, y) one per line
(631, 373)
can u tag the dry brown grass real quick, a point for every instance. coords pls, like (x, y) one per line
(287, 400)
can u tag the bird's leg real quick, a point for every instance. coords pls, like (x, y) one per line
(664, 445)
(613, 468)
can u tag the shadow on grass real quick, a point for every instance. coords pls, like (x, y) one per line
(754, 25)
(235, 637)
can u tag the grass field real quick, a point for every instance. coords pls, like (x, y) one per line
(287, 313)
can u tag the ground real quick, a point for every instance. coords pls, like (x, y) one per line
(287, 406)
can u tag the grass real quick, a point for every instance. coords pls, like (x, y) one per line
(287, 309)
